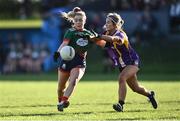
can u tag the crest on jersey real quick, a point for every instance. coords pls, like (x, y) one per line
(82, 42)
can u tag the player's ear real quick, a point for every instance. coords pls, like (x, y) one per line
(84, 19)
(104, 27)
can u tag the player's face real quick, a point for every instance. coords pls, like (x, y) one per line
(79, 22)
(109, 25)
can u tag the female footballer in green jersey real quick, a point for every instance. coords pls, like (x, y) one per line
(73, 70)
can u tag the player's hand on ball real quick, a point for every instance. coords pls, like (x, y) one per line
(56, 56)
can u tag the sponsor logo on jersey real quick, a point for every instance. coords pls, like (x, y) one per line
(82, 42)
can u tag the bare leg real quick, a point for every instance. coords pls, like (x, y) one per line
(127, 72)
(134, 85)
(62, 79)
(122, 88)
(75, 75)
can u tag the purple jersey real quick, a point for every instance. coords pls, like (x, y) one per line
(122, 54)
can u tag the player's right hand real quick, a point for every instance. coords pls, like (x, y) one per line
(56, 56)
(95, 35)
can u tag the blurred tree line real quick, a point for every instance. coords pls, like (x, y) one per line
(15, 9)
(22, 9)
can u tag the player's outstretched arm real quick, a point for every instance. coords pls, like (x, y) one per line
(108, 38)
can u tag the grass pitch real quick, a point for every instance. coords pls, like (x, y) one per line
(92, 100)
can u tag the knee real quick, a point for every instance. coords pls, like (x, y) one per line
(122, 79)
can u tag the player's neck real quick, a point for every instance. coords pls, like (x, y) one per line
(111, 32)
(79, 29)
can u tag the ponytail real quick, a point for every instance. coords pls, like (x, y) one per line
(71, 14)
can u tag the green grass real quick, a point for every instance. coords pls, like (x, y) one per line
(92, 100)
(89, 76)
(10, 24)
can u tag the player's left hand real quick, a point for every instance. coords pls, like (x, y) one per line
(92, 35)
(95, 35)
(56, 56)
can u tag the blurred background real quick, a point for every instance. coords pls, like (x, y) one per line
(31, 30)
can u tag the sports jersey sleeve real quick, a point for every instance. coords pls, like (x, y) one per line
(67, 36)
(122, 36)
(88, 33)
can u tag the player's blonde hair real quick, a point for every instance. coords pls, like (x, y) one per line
(116, 19)
(71, 14)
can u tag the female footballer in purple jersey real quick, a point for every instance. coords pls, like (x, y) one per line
(73, 70)
(125, 58)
